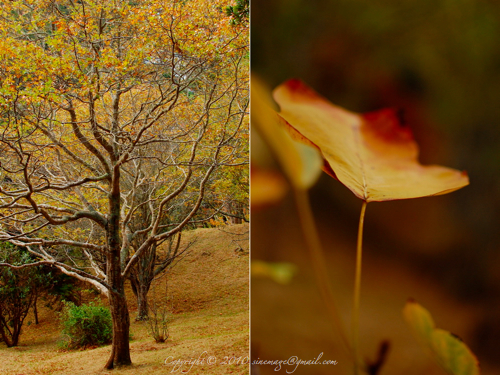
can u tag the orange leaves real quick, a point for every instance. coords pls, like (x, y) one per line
(373, 155)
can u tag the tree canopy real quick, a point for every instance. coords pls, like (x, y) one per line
(115, 118)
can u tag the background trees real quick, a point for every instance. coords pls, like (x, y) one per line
(22, 286)
(114, 118)
(18, 290)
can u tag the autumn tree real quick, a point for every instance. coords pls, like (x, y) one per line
(113, 115)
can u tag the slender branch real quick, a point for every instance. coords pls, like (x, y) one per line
(19, 240)
(79, 274)
(27, 265)
(85, 142)
(357, 291)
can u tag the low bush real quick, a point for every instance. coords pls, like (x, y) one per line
(158, 319)
(87, 325)
(158, 322)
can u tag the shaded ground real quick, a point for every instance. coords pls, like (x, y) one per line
(208, 297)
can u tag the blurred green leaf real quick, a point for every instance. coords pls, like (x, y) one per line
(449, 350)
(282, 273)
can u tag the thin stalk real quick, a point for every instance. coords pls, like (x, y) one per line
(319, 263)
(357, 291)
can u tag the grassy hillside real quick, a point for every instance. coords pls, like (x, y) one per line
(208, 300)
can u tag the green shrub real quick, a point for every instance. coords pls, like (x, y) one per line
(86, 325)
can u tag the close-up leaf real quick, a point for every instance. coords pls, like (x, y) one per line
(373, 154)
(450, 352)
(302, 164)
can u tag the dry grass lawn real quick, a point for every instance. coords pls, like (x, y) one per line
(208, 300)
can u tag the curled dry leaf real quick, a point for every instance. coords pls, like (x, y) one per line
(373, 154)
(301, 163)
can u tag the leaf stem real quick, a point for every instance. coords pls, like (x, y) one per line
(319, 265)
(357, 291)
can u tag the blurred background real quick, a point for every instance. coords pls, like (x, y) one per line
(439, 61)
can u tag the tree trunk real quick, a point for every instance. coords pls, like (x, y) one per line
(142, 303)
(16, 332)
(35, 310)
(141, 294)
(10, 330)
(4, 334)
(120, 351)
(10, 336)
